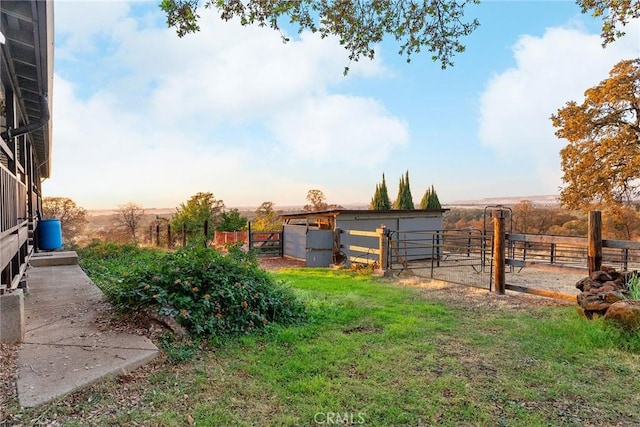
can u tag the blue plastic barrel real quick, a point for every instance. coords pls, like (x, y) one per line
(49, 234)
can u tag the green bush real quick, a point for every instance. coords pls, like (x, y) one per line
(633, 284)
(206, 291)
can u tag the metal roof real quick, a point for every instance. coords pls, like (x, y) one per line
(363, 212)
(28, 30)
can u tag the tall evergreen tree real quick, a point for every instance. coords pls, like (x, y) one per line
(430, 199)
(380, 200)
(424, 202)
(404, 201)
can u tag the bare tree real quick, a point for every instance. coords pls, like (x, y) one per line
(129, 216)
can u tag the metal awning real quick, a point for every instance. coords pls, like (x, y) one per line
(27, 27)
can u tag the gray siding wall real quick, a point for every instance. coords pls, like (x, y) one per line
(403, 239)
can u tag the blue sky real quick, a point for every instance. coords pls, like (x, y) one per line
(140, 115)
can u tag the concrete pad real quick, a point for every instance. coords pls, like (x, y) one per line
(12, 321)
(64, 349)
(48, 259)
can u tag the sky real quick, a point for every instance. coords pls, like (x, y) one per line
(143, 116)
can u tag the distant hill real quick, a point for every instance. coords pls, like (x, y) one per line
(548, 200)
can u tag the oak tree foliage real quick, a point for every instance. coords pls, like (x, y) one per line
(199, 208)
(318, 202)
(73, 218)
(232, 220)
(436, 26)
(266, 218)
(615, 15)
(601, 162)
(432, 25)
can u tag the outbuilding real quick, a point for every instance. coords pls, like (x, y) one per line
(344, 236)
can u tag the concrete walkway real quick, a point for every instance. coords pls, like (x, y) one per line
(64, 349)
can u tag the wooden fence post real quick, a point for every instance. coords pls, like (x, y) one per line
(249, 236)
(384, 248)
(499, 251)
(184, 234)
(157, 233)
(168, 235)
(594, 253)
(282, 242)
(206, 231)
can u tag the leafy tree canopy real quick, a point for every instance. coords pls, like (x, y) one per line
(601, 163)
(317, 200)
(72, 217)
(266, 219)
(199, 208)
(436, 26)
(433, 25)
(232, 220)
(615, 15)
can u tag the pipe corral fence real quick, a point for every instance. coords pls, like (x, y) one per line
(482, 258)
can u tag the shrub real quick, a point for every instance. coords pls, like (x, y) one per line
(209, 293)
(633, 284)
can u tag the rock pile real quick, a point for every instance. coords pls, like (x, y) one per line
(605, 293)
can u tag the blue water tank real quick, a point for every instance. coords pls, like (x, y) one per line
(49, 234)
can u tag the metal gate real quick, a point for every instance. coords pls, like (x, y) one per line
(457, 256)
(319, 248)
(313, 245)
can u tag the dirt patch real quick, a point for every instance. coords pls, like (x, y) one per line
(278, 263)
(364, 329)
(471, 298)
(8, 369)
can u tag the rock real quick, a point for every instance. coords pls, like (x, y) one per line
(594, 303)
(625, 313)
(604, 288)
(612, 297)
(601, 276)
(582, 283)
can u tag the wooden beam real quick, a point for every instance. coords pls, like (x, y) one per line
(541, 292)
(361, 233)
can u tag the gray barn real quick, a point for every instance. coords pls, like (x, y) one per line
(324, 238)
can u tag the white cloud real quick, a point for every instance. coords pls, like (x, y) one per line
(81, 23)
(157, 118)
(341, 129)
(551, 70)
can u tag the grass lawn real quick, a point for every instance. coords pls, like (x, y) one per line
(377, 353)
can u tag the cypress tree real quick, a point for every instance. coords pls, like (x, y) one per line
(430, 199)
(424, 202)
(380, 200)
(404, 200)
(433, 201)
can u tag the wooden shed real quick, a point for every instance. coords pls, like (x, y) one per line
(327, 237)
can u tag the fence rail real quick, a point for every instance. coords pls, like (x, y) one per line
(458, 256)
